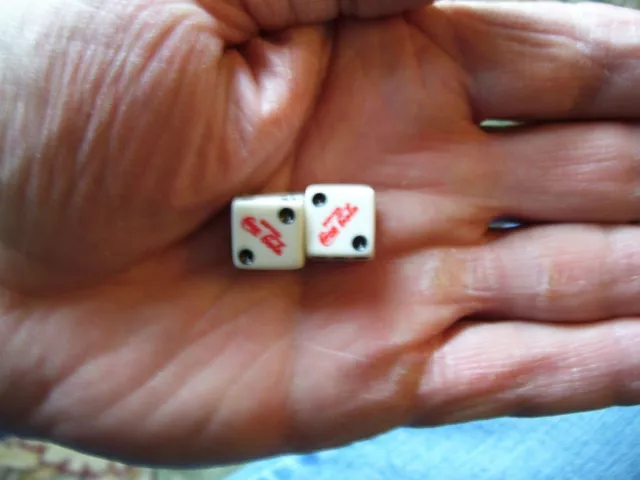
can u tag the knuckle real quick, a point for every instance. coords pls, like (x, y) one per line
(571, 281)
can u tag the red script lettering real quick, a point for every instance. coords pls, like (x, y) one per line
(336, 222)
(266, 233)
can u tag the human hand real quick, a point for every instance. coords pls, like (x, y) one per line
(127, 128)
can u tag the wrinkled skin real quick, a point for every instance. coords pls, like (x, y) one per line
(128, 126)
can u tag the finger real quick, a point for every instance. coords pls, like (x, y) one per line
(557, 273)
(278, 14)
(523, 369)
(587, 172)
(549, 60)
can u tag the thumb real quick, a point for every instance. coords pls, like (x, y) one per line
(277, 14)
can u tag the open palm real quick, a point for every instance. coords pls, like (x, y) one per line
(126, 330)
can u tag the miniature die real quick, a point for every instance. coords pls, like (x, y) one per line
(340, 221)
(268, 232)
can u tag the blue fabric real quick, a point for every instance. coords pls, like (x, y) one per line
(600, 445)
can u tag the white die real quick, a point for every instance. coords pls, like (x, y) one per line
(267, 232)
(340, 221)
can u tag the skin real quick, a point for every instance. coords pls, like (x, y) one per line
(128, 126)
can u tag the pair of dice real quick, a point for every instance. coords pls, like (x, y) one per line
(281, 231)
